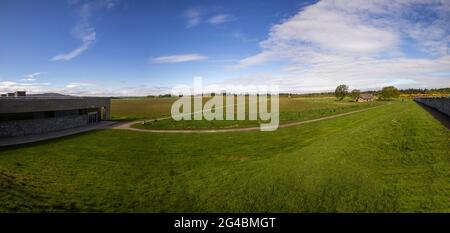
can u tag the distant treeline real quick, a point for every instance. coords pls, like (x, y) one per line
(426, 91)
(409, 91)
(403, 92)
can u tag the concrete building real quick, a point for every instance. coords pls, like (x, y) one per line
(29, 115)
(19, 93)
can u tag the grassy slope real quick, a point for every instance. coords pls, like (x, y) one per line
(388, 159)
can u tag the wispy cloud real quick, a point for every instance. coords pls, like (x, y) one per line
(242, 37)
(360, 43)
(220, 19)
(193, 17)
(31, 77)
(11, 86)
(7, 84)
(179, 58)
(84, 31)
(83, 89)
(87, 35)
(78, 85)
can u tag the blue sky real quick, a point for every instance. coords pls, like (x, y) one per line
(113, 47)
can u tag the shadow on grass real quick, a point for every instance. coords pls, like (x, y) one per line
(47, 141)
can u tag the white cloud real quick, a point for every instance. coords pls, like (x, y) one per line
(193, 17)
(74, 53)
(6, 84)
(220, 18)
(11, 86)
(242, 37)
(82, 89)
(89, 89)
(179, 58)
(31, 77)
(86, 34)
(77, 85)
(359, 43)
(84, 31)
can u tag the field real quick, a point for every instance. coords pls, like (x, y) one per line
(394, 158)
(291, 110)
(141, 108)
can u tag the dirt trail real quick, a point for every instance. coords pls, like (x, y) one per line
(127, 125)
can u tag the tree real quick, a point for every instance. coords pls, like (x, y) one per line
(389, 92)
(341, 91)
(355, 94)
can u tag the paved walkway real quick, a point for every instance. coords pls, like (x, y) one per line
(127, 125)
(51, 135)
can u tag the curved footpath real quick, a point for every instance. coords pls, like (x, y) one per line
(127, 125)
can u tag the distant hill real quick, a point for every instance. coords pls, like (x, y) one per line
(48, 95)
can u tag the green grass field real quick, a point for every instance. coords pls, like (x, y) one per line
(140, 108)
(291, 110)
(395, 158)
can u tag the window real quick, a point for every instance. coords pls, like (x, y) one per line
(49, 114)
(16, 116)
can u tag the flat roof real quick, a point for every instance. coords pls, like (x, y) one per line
(22, 104)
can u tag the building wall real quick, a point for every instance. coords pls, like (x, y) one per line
(442, 104)
(41, 125)
(23, 115)
(33, 104)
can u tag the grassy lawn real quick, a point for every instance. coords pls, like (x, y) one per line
(389, 159)
(291, 110)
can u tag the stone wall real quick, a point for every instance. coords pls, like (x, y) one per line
(42, 125)
(442, 104)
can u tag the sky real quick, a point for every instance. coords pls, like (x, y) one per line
(131, 48)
